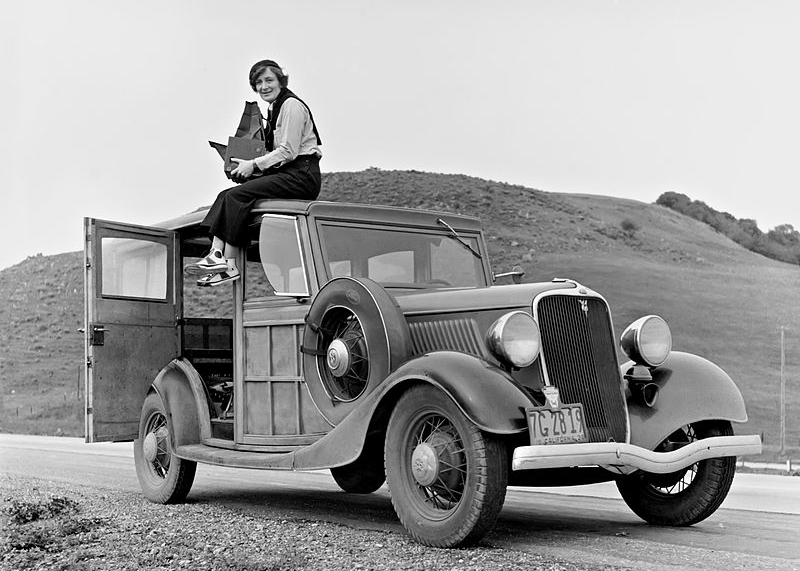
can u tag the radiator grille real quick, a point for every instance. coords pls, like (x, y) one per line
(580, 357)
(446, 335)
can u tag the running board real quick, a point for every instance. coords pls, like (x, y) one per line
(236, 458)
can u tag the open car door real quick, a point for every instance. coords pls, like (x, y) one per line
(132, 307)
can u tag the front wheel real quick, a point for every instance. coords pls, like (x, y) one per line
(164, 478)
(446, 477)
(687, 496)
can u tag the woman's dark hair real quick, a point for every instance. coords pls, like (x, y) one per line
(260, 66)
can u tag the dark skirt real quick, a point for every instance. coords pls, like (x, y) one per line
(227, 217)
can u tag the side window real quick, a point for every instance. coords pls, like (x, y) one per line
(281, 255)
(133, 268)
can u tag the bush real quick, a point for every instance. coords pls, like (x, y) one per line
(629, 227)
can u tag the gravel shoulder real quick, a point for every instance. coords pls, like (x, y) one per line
(85, 528)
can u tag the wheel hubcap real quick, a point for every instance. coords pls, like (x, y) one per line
(338, 358)
(343, 360)
(425, 464)
(156, 447)
(150, 447)
(438, 464)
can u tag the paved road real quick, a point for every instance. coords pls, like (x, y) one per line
(758, 526)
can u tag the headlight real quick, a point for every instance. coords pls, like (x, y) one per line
(647, 341)
(514, 339)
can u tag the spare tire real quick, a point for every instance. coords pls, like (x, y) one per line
(355, 335)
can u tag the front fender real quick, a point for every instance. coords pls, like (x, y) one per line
(181, 390)
(488, 396)
(691, 389)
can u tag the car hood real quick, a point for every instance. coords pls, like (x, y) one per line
(459, 300)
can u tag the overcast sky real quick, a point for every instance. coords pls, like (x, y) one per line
(107, 106)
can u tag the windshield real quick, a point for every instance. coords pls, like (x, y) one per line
(402, 258)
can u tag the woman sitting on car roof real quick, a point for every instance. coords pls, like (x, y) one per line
(290, 169)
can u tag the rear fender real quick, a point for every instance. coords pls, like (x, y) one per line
(691, 389)
(181, 390)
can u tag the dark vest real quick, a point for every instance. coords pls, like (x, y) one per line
(275, 110)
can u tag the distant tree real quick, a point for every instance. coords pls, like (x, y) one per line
(781, 243)
(786, 235)
(674, 200)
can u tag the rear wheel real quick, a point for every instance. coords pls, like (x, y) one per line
(164, 477)
(687, 496)
(446, 477)
(359, 477)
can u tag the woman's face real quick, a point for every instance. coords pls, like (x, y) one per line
(268, 86)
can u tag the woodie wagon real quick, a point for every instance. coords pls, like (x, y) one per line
(376, 343)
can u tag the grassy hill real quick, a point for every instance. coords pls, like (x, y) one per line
(721, 301)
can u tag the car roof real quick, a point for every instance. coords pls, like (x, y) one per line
(343, 211)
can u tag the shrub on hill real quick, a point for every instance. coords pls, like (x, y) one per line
(781, 243)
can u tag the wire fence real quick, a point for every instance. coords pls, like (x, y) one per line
(33, 406)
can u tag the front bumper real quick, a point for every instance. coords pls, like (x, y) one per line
(626, 458)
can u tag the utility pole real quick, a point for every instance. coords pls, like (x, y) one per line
(783, 395)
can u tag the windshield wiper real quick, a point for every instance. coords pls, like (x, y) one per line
(459, 239)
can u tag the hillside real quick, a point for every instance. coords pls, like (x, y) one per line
(722, 301)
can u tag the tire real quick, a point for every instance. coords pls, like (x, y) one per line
(355, 335)
(164, 478)
(447, 479)
(360, 477)
(687, 496)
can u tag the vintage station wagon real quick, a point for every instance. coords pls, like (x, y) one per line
(374, 342)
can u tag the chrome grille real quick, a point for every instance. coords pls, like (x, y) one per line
(446, 335)
(580, 357)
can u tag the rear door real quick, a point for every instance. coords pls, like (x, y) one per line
(132, 304)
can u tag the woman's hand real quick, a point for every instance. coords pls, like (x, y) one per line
(244, 169)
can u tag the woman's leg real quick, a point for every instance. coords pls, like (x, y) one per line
(227, 218)
(231, 251)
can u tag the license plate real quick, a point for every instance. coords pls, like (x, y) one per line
(559, 426)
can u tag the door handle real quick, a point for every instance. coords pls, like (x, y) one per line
(97, 336)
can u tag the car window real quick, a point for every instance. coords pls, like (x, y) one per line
(413, 258)
(392, 267)
(133, 268)
(281, 255)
